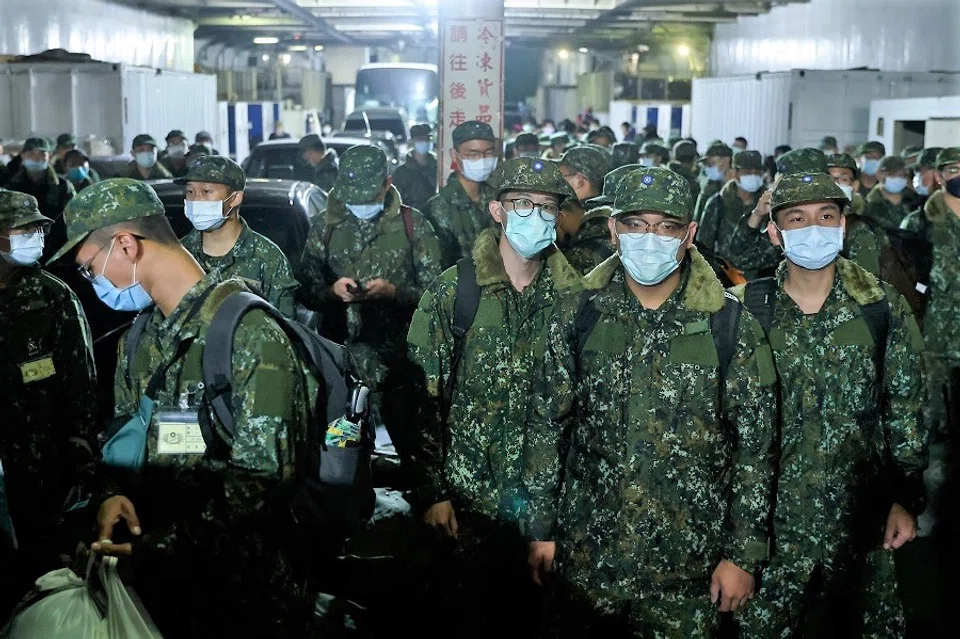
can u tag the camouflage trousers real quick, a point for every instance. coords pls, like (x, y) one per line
(800, 597)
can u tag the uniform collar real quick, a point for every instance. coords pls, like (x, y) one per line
(861, 285)
(337, 211)
(490, 269)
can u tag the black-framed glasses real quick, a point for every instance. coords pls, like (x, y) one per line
(548, 211)
(84, 269)
(663, 228)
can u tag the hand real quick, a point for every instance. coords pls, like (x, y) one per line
(540, 560)
(442, 519)
(901, 528)
(112, 511)
(340, 289)
(762, 211)
(731, 586)
(380, 287)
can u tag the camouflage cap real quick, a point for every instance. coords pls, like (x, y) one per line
(610, 184)
(672, 140)
(748, 160)
(684, 151)
(421, 131)
(807, 160)
(603, 132)
(534, 174)
(871, 147)
(66, 139)
(473, 130)
(843, 161)
(363, 168)
(625, 153)
(828, 142)
(36, 144)
(654, 189)
(19, 209)
(927, 158)
(176, 133)
(215, 169)
(909, 151)
(593, 163)
(144, 138)
(801, 188)
(892, 164)
(718, 149)
(311, 141)
(560, 137)
(655, 148)
(201, 136)
(197, 150)
(950, 155)
(105, 204)
(527, 139)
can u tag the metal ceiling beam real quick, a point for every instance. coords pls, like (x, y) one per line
(290, 7)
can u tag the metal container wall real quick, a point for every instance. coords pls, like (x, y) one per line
(759, 110)
(155, 102)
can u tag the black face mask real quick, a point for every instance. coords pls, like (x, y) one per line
(953, 186)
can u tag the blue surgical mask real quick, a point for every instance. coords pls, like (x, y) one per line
(649, 258)
(205, 215)
(421, 147)
(366, 211)
(25, 249)
(78, 174)
(919, 187)
(713, 173)
(131, 298)
(478, 170)
(813, 247)
(146, 159)
(870, 167)
(646, 161)
(35, 166)
(895, 185)
(847, 190)
(751, 183)
(529, 235)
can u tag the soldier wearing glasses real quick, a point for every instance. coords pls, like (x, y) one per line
(485, 450)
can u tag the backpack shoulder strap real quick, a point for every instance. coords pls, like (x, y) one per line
(406, 213)
(758, 297)
(586, 318)
(725, 324)
(877, 317)
(133, 340)
(327, 234)
(465, 307)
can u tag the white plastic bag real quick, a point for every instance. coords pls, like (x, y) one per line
(72, 608)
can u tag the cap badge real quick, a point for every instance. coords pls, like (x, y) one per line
(647, 179)
(807, 178)
(537, 166)
(351, 175)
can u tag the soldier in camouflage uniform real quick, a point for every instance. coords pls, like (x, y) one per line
(869, 155)
(684, 163)
(77, 169)
(318, 164)
(212, 554)
(487, 432)
(558, 146)
(853, 446)
(222, 241)
(716, 172)
(889, 202)
(47, 389)
(459, 210)
(144, 165)
(625, 153)
(527, 145)
(724, 211)
(669, 477)
(416, 178)
(174, 157)
(584, 169)
(654, 154)
(67, 144)
(925, 174)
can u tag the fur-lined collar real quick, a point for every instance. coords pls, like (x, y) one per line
(490, 269)
(337, 210)
(704, 292)
(936, 208)
(859, 283)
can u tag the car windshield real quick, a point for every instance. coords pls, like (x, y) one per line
(282, 161)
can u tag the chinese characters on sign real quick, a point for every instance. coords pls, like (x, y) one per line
(471, 76)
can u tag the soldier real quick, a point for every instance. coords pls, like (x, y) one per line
(527, 145)
(716, 173)
(204, 139)
(47, 389)
(459, 211)
(486, 436)
(909, 155)
(654, 154)
(222, 241)
(144, 165)
(828, 145)
(888, 202)
(558, 146)
(684, 163)
(735, 201)
(581, 236)
(37, 178)
(174, 157)
(603, 136)
(77, 169)
(625, 153)
(852, 442)
(65, 142)
(366, 262)
(669, 473)
(924, 174)
(863, 240)
(217, 512)
(869, 155)
(416, 178)
(320, 165)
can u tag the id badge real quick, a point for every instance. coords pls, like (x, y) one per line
(179, 433)
(37, 369)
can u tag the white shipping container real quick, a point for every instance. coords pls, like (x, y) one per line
(115, 102)
(800, 107)
(921, 121)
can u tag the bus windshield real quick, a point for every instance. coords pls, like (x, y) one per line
(414, 89)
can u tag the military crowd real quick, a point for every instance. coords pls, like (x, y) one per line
(635, 391)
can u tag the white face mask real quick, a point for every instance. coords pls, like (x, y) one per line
(146, 159)
(847, 190)
(649, 258)
(177, 151)
(918, 185)
(751, 183)
(205, 215)
(25, 249)
(549, 130)
(813, 247)
(365, 211)
(478, 170)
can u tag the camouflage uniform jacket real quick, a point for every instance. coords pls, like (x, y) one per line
(416, 182)
(157, 172)
(720, 218)
(52, 193)
(324, 174)
(591, 245)
(865, 240)
(253, 258)
(689, 176)
(941, 330)
(670, 467)
(493, 446)
(851, 446)
(48, 388)
(458, 219)
(168, 164)
(79, 185)
(708, 188)
(341, 245)
(218, 517)
(883, 212)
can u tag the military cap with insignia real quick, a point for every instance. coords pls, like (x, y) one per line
(533, 174)
(927, 158)
(654, 189)
(215, 169)
(610, 183)
(948, 156)
(363, 169)
(808, 160)
(802, 188)
(36, 144)
(18, 210)
(592, 162)
(473, 130)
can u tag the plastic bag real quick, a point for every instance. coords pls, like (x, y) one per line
(69, 607)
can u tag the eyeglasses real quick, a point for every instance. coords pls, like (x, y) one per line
(663, 228)
(32, 229)
(952, 171)
(523, 207)
(84, 269)
(478, 155)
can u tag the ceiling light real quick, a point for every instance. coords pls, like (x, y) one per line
(318, 48)
(285, 58)
(246, 16)
(643, 48)
(297, 47)
(563, 53)
(683, 50)
(265, 57)
(266, 40)
(584, 50)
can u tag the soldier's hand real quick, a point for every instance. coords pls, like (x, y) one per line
(442, 519)
(540, 560)
(901, 528)
(111, 512)
(761, 213)
(340, 289)
(731, 586)
(381, 288)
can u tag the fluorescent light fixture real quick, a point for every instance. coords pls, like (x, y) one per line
(584, 50)
(266, 40)
(297, 47)
(378, 27)
(563, 53)
(683, 50)
(318, 48)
